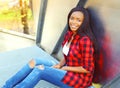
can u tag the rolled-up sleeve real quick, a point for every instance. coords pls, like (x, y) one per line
(87, 51)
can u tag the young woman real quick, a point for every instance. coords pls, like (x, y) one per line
(75, 70)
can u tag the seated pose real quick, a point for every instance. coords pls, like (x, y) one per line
(75, 70)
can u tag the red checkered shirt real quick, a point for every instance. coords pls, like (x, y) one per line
(80, 54)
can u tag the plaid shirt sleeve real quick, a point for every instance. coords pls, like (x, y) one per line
(87, 50)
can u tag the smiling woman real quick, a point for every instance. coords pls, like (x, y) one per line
(76, 20)
(77, 64)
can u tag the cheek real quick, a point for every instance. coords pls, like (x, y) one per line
(70, 22)
(79, 24)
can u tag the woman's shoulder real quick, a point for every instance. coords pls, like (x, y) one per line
(85, 38)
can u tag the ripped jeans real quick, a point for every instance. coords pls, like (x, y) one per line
(28, 77)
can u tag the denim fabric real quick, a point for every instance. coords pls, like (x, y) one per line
(54, 76)
(49, 74)
(28, 78)
(19, 76)
(91, 87)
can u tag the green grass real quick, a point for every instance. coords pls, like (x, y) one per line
(11, 19)
(13, 14)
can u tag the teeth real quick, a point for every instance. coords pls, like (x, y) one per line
(73, 26)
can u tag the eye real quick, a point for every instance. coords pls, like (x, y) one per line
(71, 18)
(78, 20)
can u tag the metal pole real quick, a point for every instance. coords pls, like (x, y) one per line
(42, 13)
(81, 3)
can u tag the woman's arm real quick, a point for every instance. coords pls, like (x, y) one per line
(78, 69)
(60, 64)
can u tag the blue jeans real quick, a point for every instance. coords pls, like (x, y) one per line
(28, 77)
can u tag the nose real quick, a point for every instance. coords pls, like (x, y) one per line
(74, 21)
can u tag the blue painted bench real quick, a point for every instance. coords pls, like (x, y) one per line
(12, 61)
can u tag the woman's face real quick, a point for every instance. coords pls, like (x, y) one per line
(76, 20)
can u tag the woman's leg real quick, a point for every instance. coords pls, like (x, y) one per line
(44, 61)
(31, 80)
(54, 76)
(19, 76)
(49, 74)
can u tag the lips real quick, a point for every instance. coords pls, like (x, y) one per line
(74, 27)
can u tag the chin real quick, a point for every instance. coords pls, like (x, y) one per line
(74, 31)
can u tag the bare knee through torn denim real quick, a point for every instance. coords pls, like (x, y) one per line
(30, 77)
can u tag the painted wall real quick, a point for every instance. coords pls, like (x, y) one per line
(106, 14)
(55, 21)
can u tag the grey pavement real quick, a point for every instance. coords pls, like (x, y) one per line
(11, 42)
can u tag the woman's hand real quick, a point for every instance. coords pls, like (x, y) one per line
(57, 66)
(60, 64)
(64, 68)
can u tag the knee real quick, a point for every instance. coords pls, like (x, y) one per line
(32, 63)
(41, 67)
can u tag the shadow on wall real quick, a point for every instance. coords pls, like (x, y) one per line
(104, 66)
